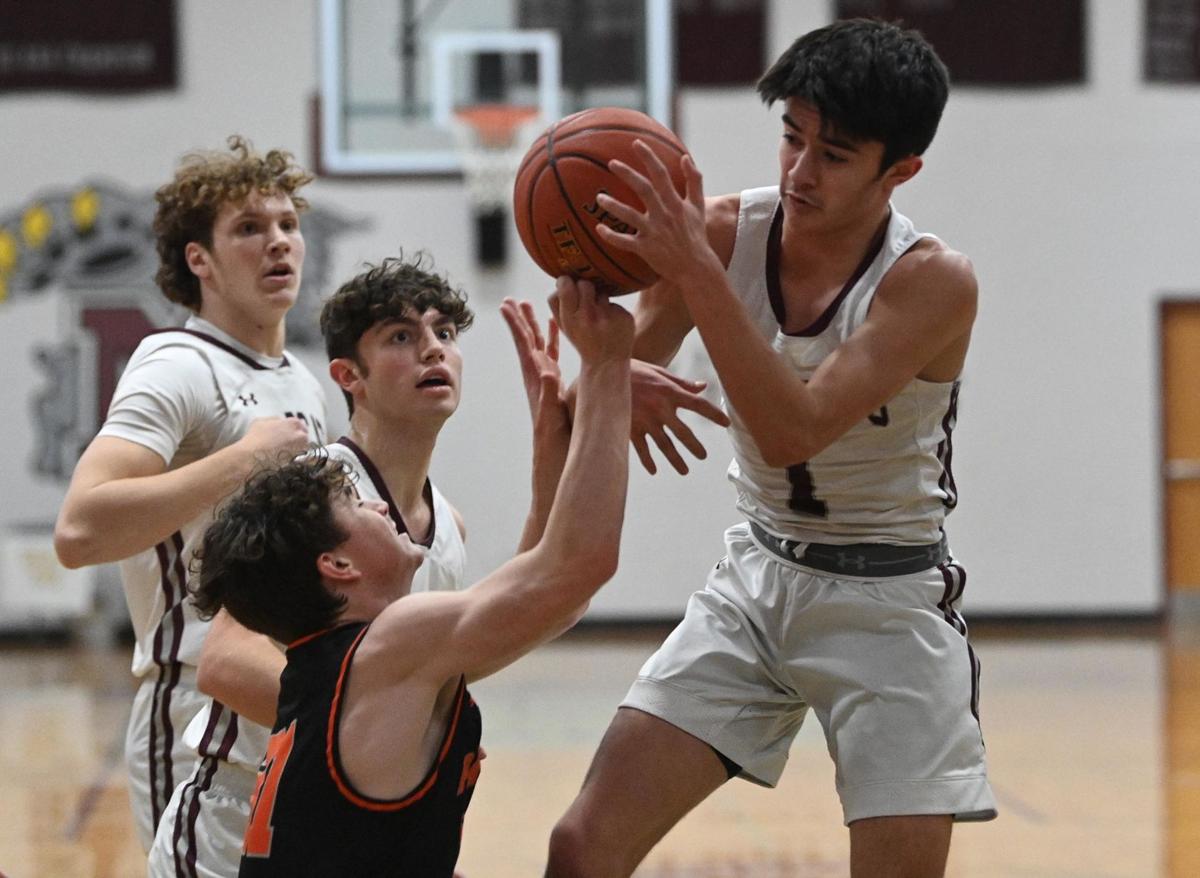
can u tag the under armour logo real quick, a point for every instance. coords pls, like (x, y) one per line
(248, 399)
(858, 562)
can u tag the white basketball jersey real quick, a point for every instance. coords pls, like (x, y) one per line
(218, 731)
(185, 394)
(445, 564)
(887, 480)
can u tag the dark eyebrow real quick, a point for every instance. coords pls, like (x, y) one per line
(826, 135)
(248, 212)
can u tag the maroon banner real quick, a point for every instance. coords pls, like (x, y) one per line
(720, 42)
(84, 45)
(1000, 42)
(1172, 41)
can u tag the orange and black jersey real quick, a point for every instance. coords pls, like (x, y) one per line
(306, 818)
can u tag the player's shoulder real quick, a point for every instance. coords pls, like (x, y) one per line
(932, 265)
(721, 222)
(173, 353)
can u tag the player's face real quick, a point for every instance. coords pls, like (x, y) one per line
(374, 545)
(827, 181)
(255, 261)
(413, 367)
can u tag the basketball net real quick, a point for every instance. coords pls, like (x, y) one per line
(492, 139)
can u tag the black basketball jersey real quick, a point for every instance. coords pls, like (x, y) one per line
(306, 818)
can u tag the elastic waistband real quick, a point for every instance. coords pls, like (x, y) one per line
(855, 559)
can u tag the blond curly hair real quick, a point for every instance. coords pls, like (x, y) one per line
(203, 184)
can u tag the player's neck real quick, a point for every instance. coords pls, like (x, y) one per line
(266, 338)
(401, 453)
(828, 257)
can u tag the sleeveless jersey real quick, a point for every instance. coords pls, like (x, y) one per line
(221, 733)
(887, 480)
(307, 818)
(185, 394)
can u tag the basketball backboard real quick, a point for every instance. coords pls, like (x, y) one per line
(394, 72)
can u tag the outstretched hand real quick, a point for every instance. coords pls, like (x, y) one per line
(537, 354)
(658, 395)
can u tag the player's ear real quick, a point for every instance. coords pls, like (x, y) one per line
(903, 170)
(345, 373)
(197, 259)
(336, 568)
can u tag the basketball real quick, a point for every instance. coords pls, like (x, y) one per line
(554, 198)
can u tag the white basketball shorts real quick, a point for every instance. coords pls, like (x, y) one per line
(883, 662)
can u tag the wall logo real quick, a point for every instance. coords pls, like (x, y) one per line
(92, 246)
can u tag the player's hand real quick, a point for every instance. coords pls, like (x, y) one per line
(658, 395)
(600, 330)
(537, 354)
(272, 437)
(669, 234)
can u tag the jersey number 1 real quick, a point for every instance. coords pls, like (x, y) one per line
(804, 498)
(262, 803)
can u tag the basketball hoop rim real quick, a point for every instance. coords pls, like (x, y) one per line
(495, 125)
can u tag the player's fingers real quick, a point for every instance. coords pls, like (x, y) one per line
(704, 408)
(620, 240)
(656, 171)
(685, 383)
(643, 453)
(555, 303)
(552, 344)
(695, 182)
(519, 332)
(619, 209)
(532, 322)
(669, 451)
(636, 181)
(685, 435)
(569, 290)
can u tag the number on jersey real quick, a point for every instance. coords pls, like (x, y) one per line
(262, 802)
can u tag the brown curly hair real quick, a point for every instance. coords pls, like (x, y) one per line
(204, 182)
(258, 558)
(384, 292)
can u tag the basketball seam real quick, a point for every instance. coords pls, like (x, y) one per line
(548, 259)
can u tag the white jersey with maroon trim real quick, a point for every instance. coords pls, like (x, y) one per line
(445, 564)
(185, 394)
(887, 479)
(219, 732)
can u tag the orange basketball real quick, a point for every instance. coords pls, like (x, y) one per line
(554, 199)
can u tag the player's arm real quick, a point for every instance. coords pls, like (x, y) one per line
(122, 499)
(437, 636)
(240, 668)
(919, 322)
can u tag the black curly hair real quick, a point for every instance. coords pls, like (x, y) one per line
(386, 292)
(258, 557)
(869, 79)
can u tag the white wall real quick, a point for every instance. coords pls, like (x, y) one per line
(1077, 205)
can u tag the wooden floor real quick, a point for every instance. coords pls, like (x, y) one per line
(1093, 740)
